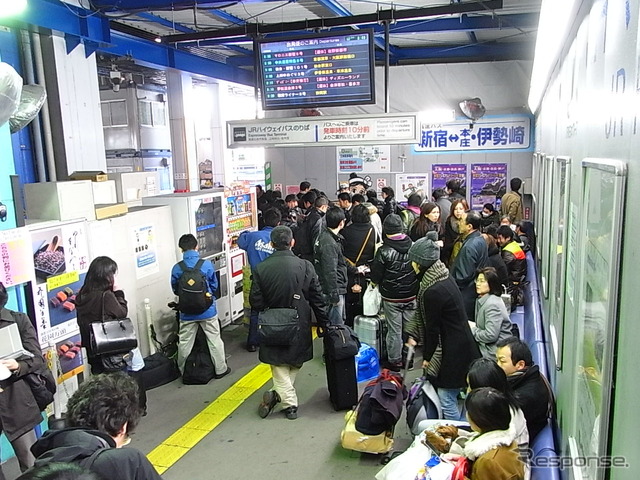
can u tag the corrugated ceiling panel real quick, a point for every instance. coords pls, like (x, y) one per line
(269, 12)
(147, 26)
(429, 39)
(185, 17)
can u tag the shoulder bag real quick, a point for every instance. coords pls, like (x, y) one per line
(112, 341)
(279, 327)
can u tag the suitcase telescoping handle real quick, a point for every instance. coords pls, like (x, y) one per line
(410, 353)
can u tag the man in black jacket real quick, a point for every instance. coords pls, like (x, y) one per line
(19, 413)
(331, 266)
(101, 414)
(472, 257)
(308, 232)
(529, 387)
(275, 282)
(391, 270)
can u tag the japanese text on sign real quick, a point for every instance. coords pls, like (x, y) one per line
(487, 135)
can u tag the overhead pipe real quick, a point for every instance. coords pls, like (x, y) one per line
(36, 126)
(46, 118)
(390, 15)
(387, 55)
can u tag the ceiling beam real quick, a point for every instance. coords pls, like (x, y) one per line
(479, 52)
(408, 27)
(145, 5)
(322, 23)
(158, 55)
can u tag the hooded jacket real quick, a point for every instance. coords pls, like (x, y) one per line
(495, 456)
(95, 451)
(496, 261)
(392, 271)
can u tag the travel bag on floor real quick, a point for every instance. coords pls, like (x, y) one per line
(198, 368)
(341, 380)
(352, 439)
(422, 403)
(158, 370)
(372, 330)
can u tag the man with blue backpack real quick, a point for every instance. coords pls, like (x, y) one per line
(194, 281)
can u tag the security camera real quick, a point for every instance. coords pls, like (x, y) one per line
(116, 79)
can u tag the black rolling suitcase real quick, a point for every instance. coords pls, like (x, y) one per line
(341, 379)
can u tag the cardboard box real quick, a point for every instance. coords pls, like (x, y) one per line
(68, 200)
(93, 175)
(113, 210)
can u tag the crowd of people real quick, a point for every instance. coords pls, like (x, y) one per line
(441, 269)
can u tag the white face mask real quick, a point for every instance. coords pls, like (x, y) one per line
(485, 214)
(512, 227)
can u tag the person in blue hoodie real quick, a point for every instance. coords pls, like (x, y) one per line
(258, 247)
(208, 319)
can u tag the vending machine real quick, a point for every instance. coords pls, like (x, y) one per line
(242, 216)
(202, 214)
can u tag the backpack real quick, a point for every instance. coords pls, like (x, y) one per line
(193, 293)
(408, 218)
(422, 403)
(198, 368)
(380, 405)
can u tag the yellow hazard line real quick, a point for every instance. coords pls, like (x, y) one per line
(165, 455)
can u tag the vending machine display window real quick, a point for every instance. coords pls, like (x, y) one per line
(209, 226)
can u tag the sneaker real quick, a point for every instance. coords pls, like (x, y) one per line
(224, 374)
(393, 366)
(251, 348)
(291, 412)
(269, 400)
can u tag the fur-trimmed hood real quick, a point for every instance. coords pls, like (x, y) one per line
(485, 442)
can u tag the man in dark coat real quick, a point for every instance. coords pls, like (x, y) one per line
(19, 413)
(276, 281)
(529, 387)
(101, 415)
(308, 232)
(440, 320)
(331, 266)
(472, 257)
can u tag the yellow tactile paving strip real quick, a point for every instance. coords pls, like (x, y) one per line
(186, 437)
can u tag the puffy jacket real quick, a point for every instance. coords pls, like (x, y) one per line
(330, 264)
(95, 451)
(308, 232)
(496, 261)
(516, 261)
(392, 271)
(390, 206)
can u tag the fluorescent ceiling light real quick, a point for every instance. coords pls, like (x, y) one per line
(556, 20)
(9, 8)
(437, 116)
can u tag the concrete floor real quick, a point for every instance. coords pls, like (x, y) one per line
(244, 445)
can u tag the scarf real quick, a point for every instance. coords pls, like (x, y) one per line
(434, 274)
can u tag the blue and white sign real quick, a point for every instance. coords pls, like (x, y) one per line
(499, 133)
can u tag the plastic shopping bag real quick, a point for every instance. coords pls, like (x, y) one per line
(371, 301)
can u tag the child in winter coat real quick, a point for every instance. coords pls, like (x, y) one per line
(493, 450)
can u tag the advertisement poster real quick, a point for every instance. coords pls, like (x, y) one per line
(292, 189)
(441, 173)
(366, 159)
(17, 258)
(408, 184)
(144, 245)
(61, 259)
(488, 184)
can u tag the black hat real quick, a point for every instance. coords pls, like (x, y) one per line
(392, 225)
(425, 251)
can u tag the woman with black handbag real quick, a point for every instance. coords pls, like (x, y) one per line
(100, 301)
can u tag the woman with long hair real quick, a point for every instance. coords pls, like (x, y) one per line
(427, 221)
(100, 299)
(452, 237)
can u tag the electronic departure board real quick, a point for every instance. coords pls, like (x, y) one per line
(317, 70)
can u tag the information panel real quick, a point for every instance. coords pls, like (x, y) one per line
(336, 130)
(323, 69)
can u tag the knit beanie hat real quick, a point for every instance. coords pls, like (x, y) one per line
(425, 251)
(392, 224)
